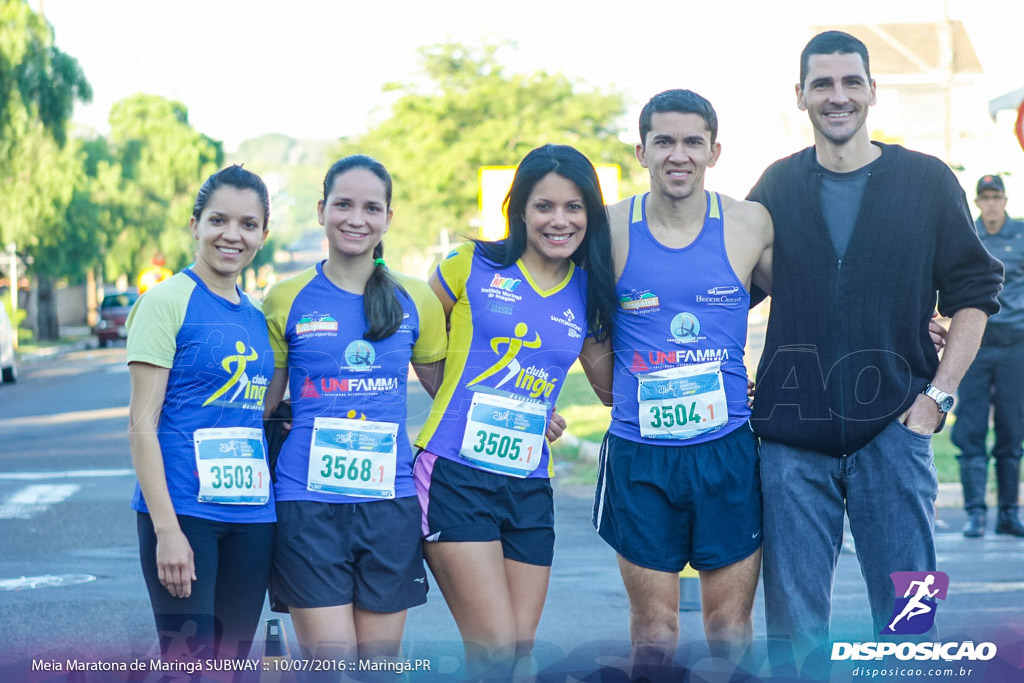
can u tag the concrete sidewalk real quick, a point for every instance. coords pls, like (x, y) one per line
(73, 338)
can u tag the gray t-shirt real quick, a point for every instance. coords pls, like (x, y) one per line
(841, 194)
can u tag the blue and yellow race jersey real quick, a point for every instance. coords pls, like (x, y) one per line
(508, 338)
(316, 330)
(220, 364)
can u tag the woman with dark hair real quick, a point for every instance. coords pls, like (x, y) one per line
(347, 558)
(200, 361)
(521, 311)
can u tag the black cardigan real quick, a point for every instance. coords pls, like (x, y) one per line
(847, 348)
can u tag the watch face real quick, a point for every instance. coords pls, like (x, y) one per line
(946, 404)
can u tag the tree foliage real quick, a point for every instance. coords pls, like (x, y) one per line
(474, 114)
(163, 160)
(34, 74)
(99, 210)
(39, 85)
(293, 170)
(70, 204)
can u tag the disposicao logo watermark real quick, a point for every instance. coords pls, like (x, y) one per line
(914, 612)
(917, 594)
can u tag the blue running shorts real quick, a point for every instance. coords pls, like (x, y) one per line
(462, 503)
(663, 506)
(367, 554)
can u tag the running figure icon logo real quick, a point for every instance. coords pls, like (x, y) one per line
(914, 612)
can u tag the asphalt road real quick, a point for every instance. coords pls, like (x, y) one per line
(70, 584)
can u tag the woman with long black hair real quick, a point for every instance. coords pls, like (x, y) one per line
(521, 311)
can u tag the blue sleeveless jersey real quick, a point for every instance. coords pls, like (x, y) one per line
(678, 307)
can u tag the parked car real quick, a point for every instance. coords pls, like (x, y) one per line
(114, 311)
(8, 363)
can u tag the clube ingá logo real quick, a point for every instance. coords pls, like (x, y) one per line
(916, 601)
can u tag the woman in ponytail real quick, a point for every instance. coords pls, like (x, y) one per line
(347, 557)
(199, 361)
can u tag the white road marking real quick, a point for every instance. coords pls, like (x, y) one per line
(33, 500)
(65, 418)
(66, 474)
(44, 581)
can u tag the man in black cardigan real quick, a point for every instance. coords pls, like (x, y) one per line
(850, 388)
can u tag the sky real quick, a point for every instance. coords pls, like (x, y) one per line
(309, 68)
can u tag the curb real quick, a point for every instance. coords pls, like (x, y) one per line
(587, 451)
(55, 351)
(951, 495)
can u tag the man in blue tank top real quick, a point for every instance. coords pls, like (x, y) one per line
(679, 480)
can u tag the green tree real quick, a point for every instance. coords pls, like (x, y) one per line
(72, 241)
(36, 78)
(100, 207)
(39, 85)
(163, 160)
(293, 170)
(472, 114)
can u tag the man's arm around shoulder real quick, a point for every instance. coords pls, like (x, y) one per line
(965, 331)
(750, 236)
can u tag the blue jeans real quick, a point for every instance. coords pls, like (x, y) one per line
(888, 487)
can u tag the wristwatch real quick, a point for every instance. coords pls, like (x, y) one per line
(944, 400)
